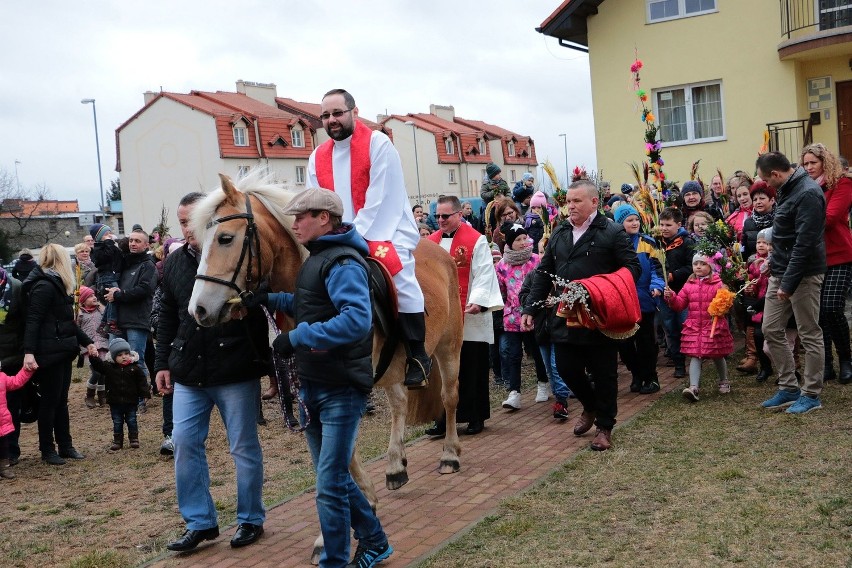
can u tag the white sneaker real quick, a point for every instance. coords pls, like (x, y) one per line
(543, 393)
(167, 448)
(513, 402)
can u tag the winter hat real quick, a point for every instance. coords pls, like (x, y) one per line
(118, 346)
(512, 231)
(137, 227)
(538, 200)
(626, 188)
(99, 231)
(765, 235)
(613, 200)
(495, 253)
(526, 176)
(624, 211)
(692, 186)
(761, 186)
(85, 292)
(698, 257)
(492, 170)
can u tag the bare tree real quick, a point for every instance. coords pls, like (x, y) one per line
(22, 205)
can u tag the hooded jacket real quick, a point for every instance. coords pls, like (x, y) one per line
(124, 384)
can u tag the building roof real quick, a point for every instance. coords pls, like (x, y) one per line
(524, 145)
(25, 208)
(568, 23)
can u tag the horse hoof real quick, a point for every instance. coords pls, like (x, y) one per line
(396, 480)
(449, 466)
(315, 555)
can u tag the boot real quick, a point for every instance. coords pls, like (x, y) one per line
(6, 470)
(845, 372)
(134, 439)
(102, 398)
(439, 428)
(289, 417)
(602, 441)
(272, 391)
(419, 364)
(117, 442)
(764, 373)
(90, 398)
(749, 364)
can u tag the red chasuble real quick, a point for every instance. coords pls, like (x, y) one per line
(461, 250)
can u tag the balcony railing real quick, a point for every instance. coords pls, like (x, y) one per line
(790, 136)
(811, 16)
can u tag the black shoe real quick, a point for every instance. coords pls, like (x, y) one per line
(438, 429)
(52, 458)
(680, 371)
(191, 539)
(650, 388)
(246, 534)
(71, 454)
(635, 386)
(845, 373)
(475, 427)
(417, 373)
(14, 461)
(763, 375)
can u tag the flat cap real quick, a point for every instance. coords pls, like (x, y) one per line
(315, 199)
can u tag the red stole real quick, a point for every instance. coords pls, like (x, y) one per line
(461, 250)
(359, 159)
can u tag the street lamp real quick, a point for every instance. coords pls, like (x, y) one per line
(416, 161)
(17, 179)
(98, 148)
(567, 173)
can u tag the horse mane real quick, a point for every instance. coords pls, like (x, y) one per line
(260, 184)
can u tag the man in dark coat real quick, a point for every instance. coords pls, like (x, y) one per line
(586, 244)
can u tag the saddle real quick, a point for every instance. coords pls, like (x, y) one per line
(385, 312)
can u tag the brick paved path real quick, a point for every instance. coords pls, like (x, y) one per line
(512, 453)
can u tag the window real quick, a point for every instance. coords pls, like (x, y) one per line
(121, 225)
(448, 146)
(834, 14)
(298, 138)
(483, 147)
(242, 171)
(240, 138)
(691, 113)
(661, 10)
(511, 147)
(451, 175)
(474, 187)
(300, 175)
(513, 175)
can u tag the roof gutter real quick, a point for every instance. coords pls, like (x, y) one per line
(574, 46)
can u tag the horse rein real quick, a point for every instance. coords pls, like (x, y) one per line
(250, 250)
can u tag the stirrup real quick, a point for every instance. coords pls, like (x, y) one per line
(420, 383)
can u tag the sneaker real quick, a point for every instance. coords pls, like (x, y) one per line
(804, 405)
(543, 393)
(167, 448)
(560, 410)
(513, 402)
(649, 388)
(690, 394)
(367, 556)
(781, 399)
(724, 388)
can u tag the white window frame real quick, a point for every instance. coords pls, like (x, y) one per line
(690, 121)
(449, 146)
(301, 175)
(297, 135)
(243, 171)
(483, 147)
(240, 136)
(510, 147)
(681, 11)
(451, 176)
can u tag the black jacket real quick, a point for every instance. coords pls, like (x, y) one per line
(23, 267)
(107, 257)
(603, 249)
(205, 356)
(136, 296)
(124, 385)
(679, 252)
(51, 333)
(798, 231)
(12, 328)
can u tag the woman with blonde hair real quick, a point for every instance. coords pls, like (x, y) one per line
(51, 343)
(824, 168)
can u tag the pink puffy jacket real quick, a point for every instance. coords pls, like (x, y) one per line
(8, 383)
(695, 341)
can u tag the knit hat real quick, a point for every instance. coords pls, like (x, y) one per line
(495, 253)
(624, 211)
(613, 200)
(538, 200)
(85, 293)
(692, 186)
(99, 231)
(526, 176)
(512, 231)
(492, 170)
(626, 188)
(137, 227)
(118, 346)
(761, 186)
(765, 235)
(698, 257)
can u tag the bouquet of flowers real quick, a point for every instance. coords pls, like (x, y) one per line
(719, 306)
(719, 244)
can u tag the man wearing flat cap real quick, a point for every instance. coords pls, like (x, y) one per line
(332, 343)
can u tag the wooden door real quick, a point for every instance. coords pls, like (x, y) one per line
(844, 118)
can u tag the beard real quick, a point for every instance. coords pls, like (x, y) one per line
(344, 131)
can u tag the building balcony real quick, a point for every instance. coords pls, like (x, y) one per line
(815, 29)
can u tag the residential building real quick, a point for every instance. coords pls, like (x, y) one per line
(718, 74)
(34, 223)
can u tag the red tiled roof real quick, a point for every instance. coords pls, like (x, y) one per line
(524, 145)
(25, 208)
(465, 139)
(313, 110)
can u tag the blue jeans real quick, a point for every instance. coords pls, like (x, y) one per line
(511, 354)
(192, 408)
(122, 413)
(335, 414)
(672, 323)
(138, 340)
(557, 385)
(102, 283)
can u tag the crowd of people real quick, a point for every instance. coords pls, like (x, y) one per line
(122, 305)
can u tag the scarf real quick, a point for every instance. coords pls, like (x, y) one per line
(763, 220)
(516, 257)
(359, 160)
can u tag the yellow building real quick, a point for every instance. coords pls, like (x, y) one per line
(718, 73)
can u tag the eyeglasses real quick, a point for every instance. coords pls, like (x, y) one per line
(445, 216)
(334, 113)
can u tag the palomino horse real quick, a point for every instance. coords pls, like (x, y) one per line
(246, 239)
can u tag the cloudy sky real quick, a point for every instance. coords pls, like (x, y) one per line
(394, 56)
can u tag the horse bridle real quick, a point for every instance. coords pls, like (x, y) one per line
(250, 250)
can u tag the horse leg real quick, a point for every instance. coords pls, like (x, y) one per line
(448, 366)
(396, 473)
(363, 481)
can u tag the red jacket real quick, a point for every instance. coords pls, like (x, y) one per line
(838, 237)
(695, 341)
